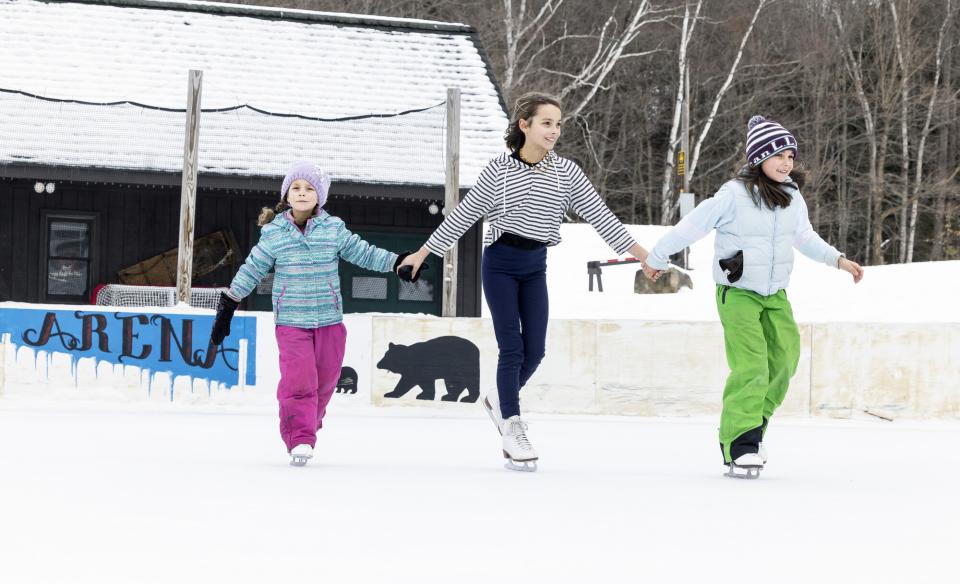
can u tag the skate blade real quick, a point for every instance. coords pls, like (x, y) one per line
(743, 472)
(526, 465)
(489, 409)
(521, 465)
(299, 460)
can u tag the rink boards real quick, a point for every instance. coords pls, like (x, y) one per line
(650, 368)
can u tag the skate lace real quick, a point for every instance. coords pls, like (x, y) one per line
(519, 431)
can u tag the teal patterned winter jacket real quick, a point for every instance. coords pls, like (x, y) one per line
(306, 284)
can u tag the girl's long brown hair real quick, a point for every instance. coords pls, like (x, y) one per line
(524, 109)
(766, 191)
(267, 214)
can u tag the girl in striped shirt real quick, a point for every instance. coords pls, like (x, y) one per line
(524, 196)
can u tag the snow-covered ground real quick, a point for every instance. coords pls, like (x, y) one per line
(919, 292)
(103, 493)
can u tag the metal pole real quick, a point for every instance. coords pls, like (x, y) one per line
(188, 191)
(452, 197)
(685, 140)
(685, 200)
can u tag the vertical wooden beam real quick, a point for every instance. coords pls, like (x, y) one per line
(452, 197)
(188, 191)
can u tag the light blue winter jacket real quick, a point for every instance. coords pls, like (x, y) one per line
(306, 285)
(767, 238)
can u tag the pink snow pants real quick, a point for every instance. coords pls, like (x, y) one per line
(310, 361)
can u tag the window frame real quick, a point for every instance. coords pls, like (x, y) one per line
(92, 220)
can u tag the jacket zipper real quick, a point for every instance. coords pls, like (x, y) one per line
(773, 253)
(280, 299)
(333, 292)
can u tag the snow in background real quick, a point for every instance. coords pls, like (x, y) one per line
(918, 292)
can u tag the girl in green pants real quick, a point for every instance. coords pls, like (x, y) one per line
(760, 217)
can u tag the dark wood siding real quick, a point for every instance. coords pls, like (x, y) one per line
(138, 222)
(413, 217)
(7, 237)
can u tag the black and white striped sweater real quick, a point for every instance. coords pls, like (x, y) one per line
(530, 201)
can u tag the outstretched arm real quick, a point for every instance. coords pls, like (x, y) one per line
(361, 253)
(477, 202)
(707, 216)
(810, 244)
(254, 269)
(586, 202)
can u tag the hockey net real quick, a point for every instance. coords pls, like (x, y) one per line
(130, 295)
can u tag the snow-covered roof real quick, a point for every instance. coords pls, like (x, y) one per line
(311, 67)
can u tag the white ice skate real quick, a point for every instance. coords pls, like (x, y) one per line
(763, 453)
(300, 454)
(491, 404)
(746, 466)
(517, 449)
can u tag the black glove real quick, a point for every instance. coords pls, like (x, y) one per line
(226, 306)
(733, 267)
(406, 272)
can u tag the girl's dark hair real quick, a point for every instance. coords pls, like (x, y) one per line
(267, 214)
(768, 191)
(524, 109)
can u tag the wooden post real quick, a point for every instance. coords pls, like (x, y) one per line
(452, 197)
(188, 191)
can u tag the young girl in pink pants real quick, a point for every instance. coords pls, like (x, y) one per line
(303, 244)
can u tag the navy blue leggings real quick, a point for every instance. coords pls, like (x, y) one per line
(515, 285)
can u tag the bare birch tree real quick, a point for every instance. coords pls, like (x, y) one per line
(687, 29)
(525, 40)
(925, 132)
(727, 83)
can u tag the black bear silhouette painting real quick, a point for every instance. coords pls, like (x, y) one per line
(348, 381)
(455, 360)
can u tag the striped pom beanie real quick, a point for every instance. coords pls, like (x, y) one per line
(765, 138)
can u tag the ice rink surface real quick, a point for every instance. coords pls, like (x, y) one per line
(95, 492)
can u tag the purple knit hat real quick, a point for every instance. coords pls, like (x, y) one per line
(308, 172)
(765, 138)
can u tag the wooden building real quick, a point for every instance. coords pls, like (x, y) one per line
(92, 122)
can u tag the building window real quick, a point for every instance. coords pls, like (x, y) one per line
(419, 291)
(369, 288)
(68, 269)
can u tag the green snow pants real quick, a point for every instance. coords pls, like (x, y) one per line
(763, 349)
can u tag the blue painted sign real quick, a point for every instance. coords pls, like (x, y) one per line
(178, 344)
